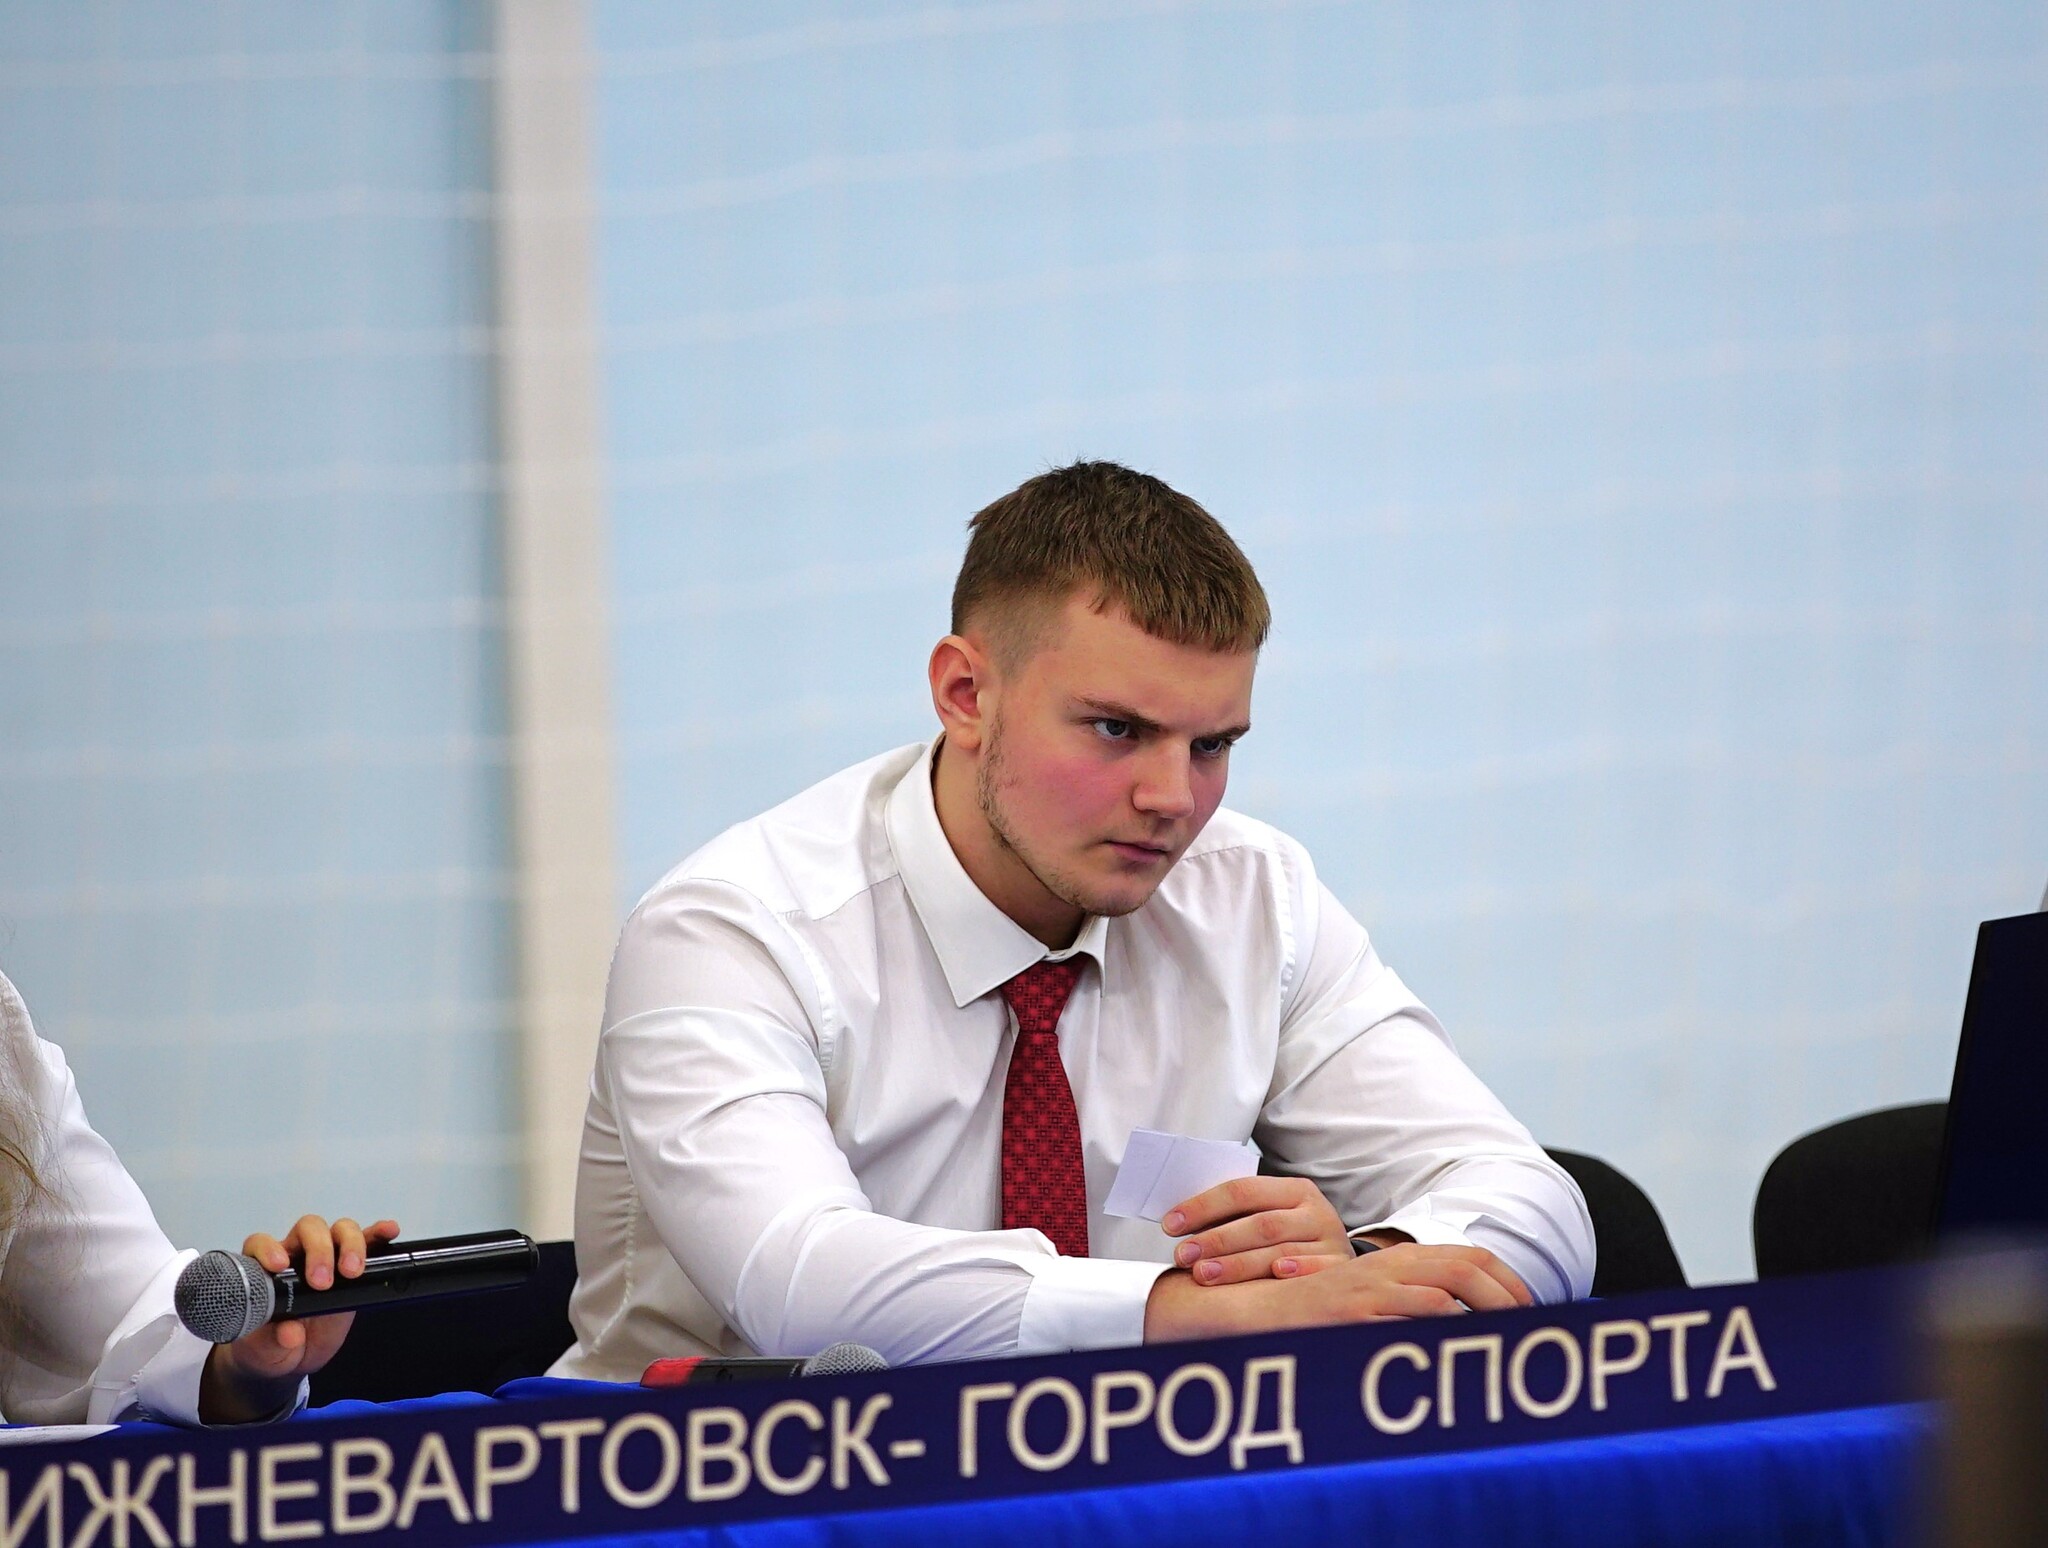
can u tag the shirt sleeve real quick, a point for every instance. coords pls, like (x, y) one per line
(1370, 1101)
(89, 1277)
(710, 1065)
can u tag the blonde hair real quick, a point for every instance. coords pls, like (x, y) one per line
(1125, 537)
(21, 1130)
(24, 1189)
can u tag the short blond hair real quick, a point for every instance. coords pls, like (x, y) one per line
(1126, 537)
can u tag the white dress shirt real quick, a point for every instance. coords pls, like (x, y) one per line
(794, 1127)
(89, 1333)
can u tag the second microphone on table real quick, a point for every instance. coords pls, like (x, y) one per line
(702, 1370)
(223, 1296)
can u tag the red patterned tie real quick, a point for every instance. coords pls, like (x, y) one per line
(1044, 1183)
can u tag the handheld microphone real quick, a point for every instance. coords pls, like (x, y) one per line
(702, 1370)
(223, 1296)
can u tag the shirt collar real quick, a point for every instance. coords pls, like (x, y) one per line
(979, 947)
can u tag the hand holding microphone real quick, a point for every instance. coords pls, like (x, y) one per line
(224, 1297)
(256, 1374)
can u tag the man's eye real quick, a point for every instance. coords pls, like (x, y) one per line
(1211, 746)
(1114, 730)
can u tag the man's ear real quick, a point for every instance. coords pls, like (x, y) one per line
(961, 677)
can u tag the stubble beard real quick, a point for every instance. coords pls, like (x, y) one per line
(988, 785)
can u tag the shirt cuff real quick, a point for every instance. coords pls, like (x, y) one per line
(154, 1373)
(150, 1372)
(1430, 1227)
(1083, 1303)
(1473, 1228)
(150, 1366)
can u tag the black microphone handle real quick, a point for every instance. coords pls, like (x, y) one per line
(416, 1271)
(712, 1372)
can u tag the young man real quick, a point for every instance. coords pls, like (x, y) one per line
(871, 1060)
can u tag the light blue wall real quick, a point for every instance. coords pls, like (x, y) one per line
(1636, 414)
(253, 868)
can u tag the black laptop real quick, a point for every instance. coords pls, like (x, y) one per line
(1994, 1165)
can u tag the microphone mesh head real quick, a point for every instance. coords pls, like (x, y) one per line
(843, 1360)
(223, 1296)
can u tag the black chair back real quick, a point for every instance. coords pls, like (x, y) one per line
(466, 1343)
(1852, 1195)
(1634, 1249)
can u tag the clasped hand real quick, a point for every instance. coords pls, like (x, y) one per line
(256, 1375)
(1244, 1240)
(1257, 1228)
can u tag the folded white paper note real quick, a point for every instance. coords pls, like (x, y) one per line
(1160, 1170)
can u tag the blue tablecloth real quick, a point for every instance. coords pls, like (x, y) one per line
(1846, 1477)
(1816, 1479)
(1816, 1448)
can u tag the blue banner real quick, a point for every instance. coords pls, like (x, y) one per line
(614, 1461)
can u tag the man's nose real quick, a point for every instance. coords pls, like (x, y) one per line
(1166, 785)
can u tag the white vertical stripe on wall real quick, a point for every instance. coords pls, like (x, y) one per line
(557, 580)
